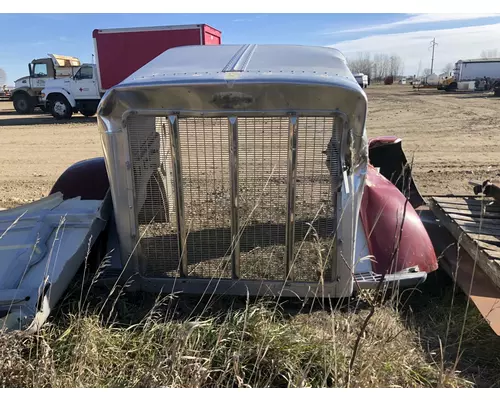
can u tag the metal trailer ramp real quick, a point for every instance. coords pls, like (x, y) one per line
(42, 245)
(470, 248)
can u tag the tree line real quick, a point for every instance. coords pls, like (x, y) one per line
(381, 65)
(377, 68)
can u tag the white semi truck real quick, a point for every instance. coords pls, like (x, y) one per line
(26, 95)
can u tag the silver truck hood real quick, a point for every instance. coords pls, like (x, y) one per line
(42, 245)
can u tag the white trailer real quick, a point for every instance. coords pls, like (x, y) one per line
(471, 70)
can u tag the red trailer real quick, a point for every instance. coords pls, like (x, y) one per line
(121, 52)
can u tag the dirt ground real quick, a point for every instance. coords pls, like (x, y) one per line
(452, 138)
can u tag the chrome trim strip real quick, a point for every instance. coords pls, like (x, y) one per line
(233, 176)
(234, 59)
(245, 58)
(224, 113)
(291, 188)
(179, 192)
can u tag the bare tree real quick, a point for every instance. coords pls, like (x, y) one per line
(395, 65)
(381, 64)
(448, 68)
(427, 71)
(491, 53)
(360, 64)
(378, 67)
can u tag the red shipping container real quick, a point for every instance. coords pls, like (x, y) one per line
(121, 52)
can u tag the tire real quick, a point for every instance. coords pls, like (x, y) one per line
(23, 103)
(88, 110)
(88, 113)
(452, 87)
(60, 108)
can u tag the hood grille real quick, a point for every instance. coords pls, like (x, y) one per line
(217, 155)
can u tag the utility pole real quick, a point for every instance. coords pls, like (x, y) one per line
(92, 59)
(433, 44)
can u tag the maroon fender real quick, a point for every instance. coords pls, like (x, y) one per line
(87, 178)
(382, 140)
(382, 211)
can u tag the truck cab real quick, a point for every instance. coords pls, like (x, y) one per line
(26, 95)
(78, 93)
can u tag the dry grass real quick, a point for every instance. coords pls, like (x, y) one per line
(136, 340)
(255, 345)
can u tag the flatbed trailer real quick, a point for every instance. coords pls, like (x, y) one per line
(465, 231)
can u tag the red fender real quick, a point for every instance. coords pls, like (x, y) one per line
(382, 210)
(382, 140)
(87, 178)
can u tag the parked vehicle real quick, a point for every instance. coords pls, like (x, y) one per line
(5, 92)
(362, 79)
(172, 219)
(477, 70)
(26, 95)
(119, 53)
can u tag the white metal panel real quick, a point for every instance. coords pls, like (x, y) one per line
(472, 71)
(42, 245)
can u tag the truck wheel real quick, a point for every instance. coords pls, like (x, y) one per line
(60, 108)
(23, 103)
(452, 87)
(88, 110)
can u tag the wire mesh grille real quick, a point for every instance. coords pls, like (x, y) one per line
(205, 156)
(262, 198)
(151, 160)
(314, 205)
(263, 148)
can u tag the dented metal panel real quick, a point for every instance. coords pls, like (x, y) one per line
(42, 245)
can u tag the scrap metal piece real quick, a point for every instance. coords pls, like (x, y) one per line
(42, 245)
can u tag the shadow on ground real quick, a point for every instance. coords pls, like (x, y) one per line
(12, 118)
(456, 95)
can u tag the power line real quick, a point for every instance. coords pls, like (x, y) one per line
(433, 44)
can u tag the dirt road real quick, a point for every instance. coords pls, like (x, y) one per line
(453, 138)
